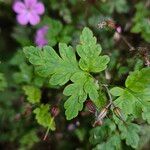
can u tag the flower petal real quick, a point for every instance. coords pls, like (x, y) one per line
(40, 42)
(39, 8)
(30, 3)
(19, 7)
(22, 19)
(34, 18)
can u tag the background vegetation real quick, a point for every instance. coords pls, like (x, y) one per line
(29, 103)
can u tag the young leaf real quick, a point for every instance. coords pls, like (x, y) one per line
(44, 117)
(89, 52)
(130, 134)
(33, 94)
(136, 95)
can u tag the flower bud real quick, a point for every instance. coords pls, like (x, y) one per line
(91, 107)
(102, 113)
(111, 24)
(97, 123)
(118, 29)
(117, 112)
(54, 111)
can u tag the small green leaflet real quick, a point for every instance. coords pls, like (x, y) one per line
(61, 69)
(89, 52)
(33, 94)
(130, 132)
(44, 117)
(135, 98)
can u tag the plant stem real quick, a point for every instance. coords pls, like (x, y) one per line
(108, 92)
(128, 44)
(46, 134)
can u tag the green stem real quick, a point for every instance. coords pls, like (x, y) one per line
(46, 134)
(109, 94)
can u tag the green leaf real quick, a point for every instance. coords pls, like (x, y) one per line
(77, 95)
(146, 113)
(130, 132)
(18, 58)
(89, 52)
(33, 94)
(140, 21)
(44, 117)
(119, 5)
(116, 91)
(48, 62)
(91, 87)
(54, 28)
(25, 33)
(136, 95)
(56, 32)
(99, 139)
(138, 81)
(61, 69)
(83, 85)
(24, 75)
(113, 143)
(28, 140)
(3, 83)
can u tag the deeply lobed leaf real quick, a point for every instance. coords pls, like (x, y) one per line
(48, 62)
(134, 99)
(61, 69)
(130, 134)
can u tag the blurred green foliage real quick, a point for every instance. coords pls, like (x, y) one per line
(26, 97)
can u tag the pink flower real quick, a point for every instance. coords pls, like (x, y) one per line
(28, 11)
(40, 38)
(118, 29)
